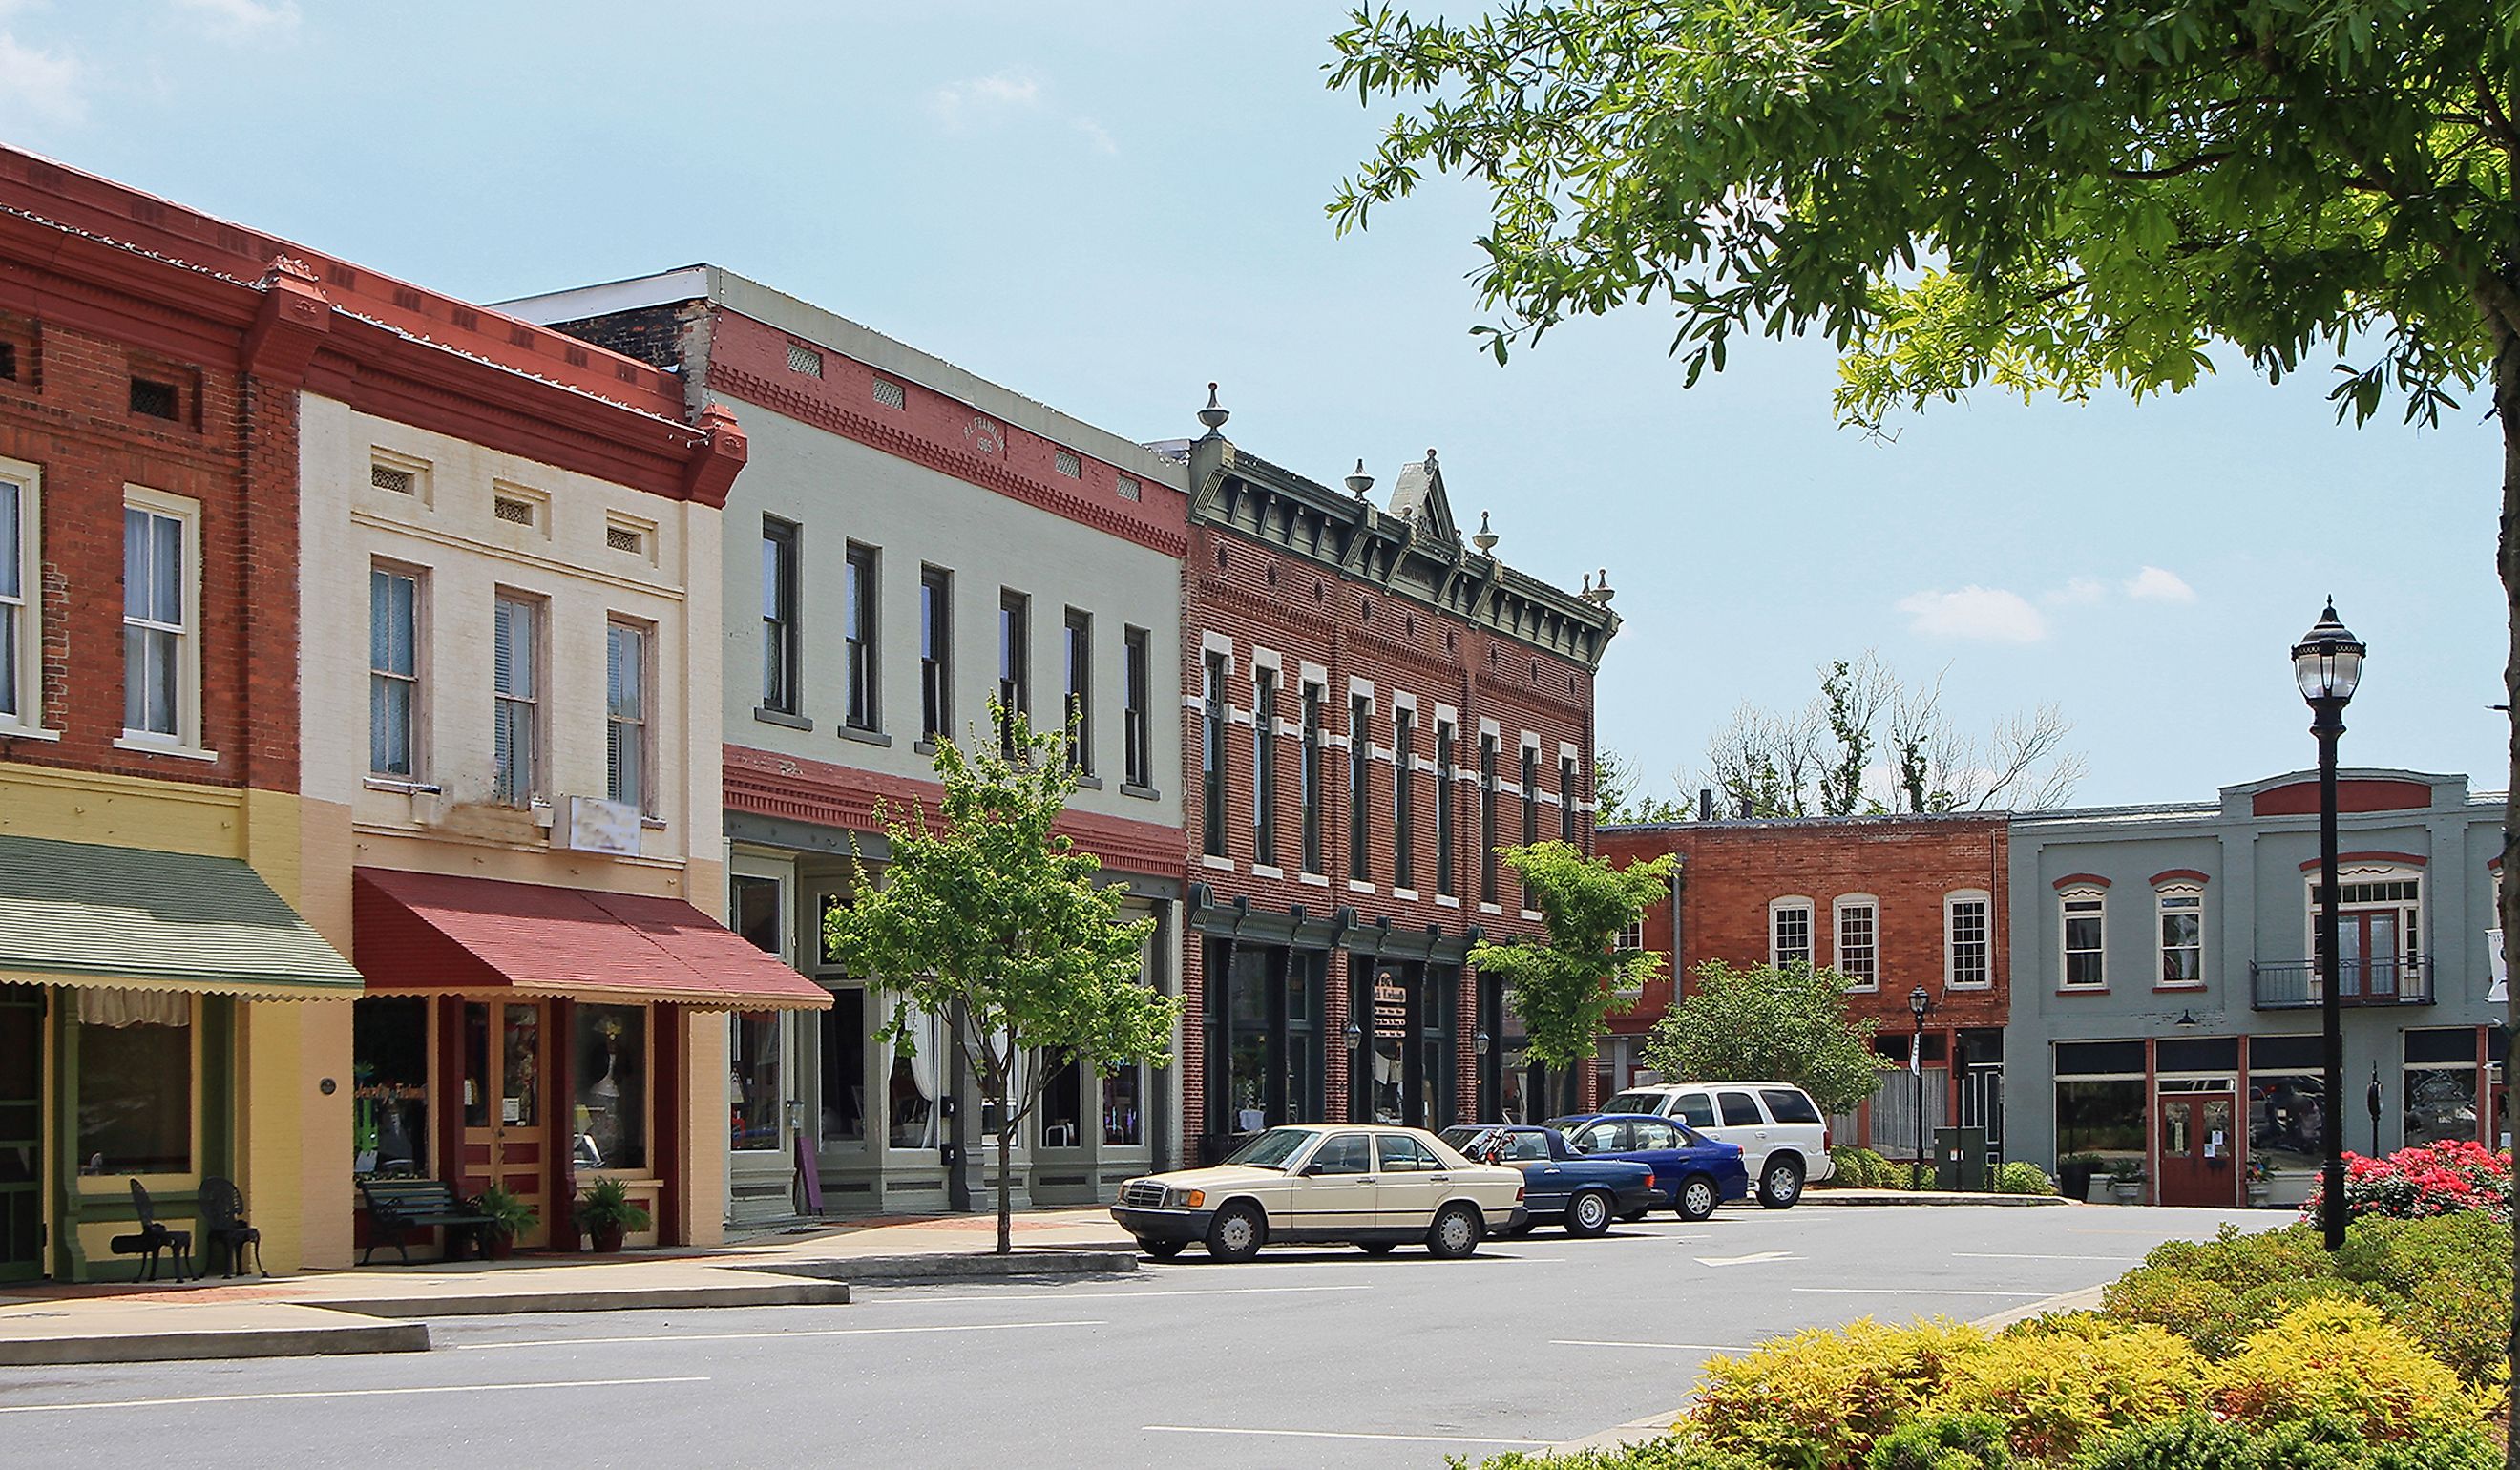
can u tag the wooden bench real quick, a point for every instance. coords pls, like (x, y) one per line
(402, 1205)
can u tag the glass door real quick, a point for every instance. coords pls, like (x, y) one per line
(22, 1145)
(2195, 1134)
(506, 1141)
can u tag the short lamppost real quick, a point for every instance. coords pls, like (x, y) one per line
(1359, 1103)
(1479, 1080)
(2328, 663)
(1919, 1002)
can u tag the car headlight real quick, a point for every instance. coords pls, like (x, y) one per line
(1184, 1199)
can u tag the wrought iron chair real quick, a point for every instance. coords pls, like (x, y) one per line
(152, 1238)
(225, 1229)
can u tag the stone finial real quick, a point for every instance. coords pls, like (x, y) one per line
(1486, 539)
(1215, 414)
(1596, 589)
(1359, 483)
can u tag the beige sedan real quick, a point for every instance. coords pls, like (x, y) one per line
(1316, 1183)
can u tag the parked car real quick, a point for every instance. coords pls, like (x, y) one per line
(1783, 1139)
(1693, 1173)
(1559, 1184)
(1375, 1188)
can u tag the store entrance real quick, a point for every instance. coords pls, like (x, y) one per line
(2194, 1131)
(21, 1144)
(506, 1136)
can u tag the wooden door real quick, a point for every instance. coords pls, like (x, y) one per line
(2196, 1139)
(506, 1134)
(21, 1141)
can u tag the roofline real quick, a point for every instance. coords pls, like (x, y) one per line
(1736, 823)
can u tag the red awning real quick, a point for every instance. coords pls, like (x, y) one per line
(431, 932)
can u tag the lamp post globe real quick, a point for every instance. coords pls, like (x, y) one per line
(2327, 666)
(1918, 1002)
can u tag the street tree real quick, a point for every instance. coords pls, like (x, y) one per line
(1618, 786)
(1564, 986)
(1769, 1023)
(988, 919)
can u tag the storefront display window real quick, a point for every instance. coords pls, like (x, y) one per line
(2102, 1117)
(389, 1086)
(135, 1081)
(1062, 1103)
(2440, 1087)
(1122, 1124)
(911, 1088)
(844, 1067)
(752, 1092)
(609, 1045)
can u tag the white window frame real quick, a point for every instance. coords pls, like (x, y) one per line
(1778, 907)
(418, 678)
(186, 741)
(2189, 896)
(2411, 924)
(2068, 902)
(644, 721)
(24, 714)
(1952, 903)
(537, 698)
(1838, 909)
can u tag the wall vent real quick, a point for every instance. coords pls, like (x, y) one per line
(153, 399)
(513, 511)
(1128, 488)
(1067, 463)
(889, 393)
(387, 478)
(625, 539)
(804, 359)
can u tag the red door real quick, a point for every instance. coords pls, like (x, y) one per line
(2194, 1132)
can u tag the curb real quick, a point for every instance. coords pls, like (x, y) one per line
(172, 1347)
(962, 1267)
(1848, 1199)
(799, 1293)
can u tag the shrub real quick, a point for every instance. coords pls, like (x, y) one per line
(1824, 1398)
(2435, 1179)
(2341, 1362)
(2022, 1177)
(2061, 1385)
(1664, 1454)
(2200, 1442)
(1946, 1441)
(1859, 1168)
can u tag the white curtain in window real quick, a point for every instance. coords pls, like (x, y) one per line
(134, 1008)
(928, 1036)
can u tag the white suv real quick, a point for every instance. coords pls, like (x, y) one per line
(1783, 1139)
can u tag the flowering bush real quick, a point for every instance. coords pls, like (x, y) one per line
(2413, 1184)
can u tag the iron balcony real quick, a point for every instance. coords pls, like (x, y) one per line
(2294, 984)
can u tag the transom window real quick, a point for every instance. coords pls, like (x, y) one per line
(1789, 931)
(1859, 956)
(1967, 943)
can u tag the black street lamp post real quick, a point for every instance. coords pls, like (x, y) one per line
(1919, 1002)
(2328, 663)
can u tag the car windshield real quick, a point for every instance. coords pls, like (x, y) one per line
(1271, 1149)
(1459, 1137)
(1633, 1102)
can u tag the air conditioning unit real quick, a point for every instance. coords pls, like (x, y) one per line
(592, 825)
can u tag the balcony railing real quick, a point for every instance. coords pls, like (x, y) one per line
(2295, 983)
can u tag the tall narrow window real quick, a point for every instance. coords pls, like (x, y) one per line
(1404, 822)
(1311, 778)
(20, 691)
(1443, 788)
(779, 641)
(1360, 752)
(1487, 819)
(1789, 931)
(1566, 799)
(393, 673)
(516, 682)
(1264, 768)
(157, 655)
(627, 760)
(1211, 758)
(1966, 944)
(935, 652)
(858, 638)
(2084, 915)
(1015, 665)
(1136, 739)
(2183, 934)
(1079, 706)
(1530, 802)
(1859, 941)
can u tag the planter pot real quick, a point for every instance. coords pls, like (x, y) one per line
(2258, 1195)
(606, 1238)
(2076, 1183)
(2127, 1191)
(497, 1245)
(2096, 1190)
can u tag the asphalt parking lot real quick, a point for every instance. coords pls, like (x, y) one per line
(1307, 1358)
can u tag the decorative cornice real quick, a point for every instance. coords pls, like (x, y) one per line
(2080, 880)
(2178, 875)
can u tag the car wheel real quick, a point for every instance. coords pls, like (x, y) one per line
(1698, 1197)
(1377, 1247)
(1587, 1215)
(1456, 1232)
(1235, 1233)
(1162, 1250)
(1781, 1184)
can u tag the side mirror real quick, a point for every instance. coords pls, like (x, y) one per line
(1312, 1171)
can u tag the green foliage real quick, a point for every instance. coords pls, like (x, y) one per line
(2198, 1441)
(989, 917)
(1858, 1168)
(1945, 1441)
(607, 1203)
(1850, 721)
(1619, 789)
(1782, 1023)
(2332, 1361)
(510, 1215)
(2059, 1386)
(1564, 988)
(2020, 1177)
(1663, 1454)
(1824, 1398)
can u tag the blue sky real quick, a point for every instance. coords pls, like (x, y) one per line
(1107, 204)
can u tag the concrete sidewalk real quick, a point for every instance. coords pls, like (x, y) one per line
(1828, 1194)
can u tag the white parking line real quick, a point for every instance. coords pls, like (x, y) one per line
(721, 1337)
(2025, 1255)
(1327, 1434)
(1117, 1296)
(1914, 1291)
(374, 1393)
(1581, 1342)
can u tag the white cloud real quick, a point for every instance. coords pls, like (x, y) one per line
(998, 92)
(1098, 135)
(1981, 612)
(2154, 585)
(2078, 592)
(244, 17)
(51, 85)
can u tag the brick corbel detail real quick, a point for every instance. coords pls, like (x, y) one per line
(291, 325)
(709, 473)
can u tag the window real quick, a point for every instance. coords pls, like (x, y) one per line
(779, 641)
(389, 1060)
(1060, 1114)
(858, 634)
(844, 1066)
(153, 399)
(1264, 768)
(161, 656)
(1079, 708)
(1632, 938)
(1404, 819)
(393, 672)
(1566, 799)
(610, 1043)
(1789, 1105)
(135, 1081)
(1530, 801)
(2183, 934)
(1309, 777)
(1487, 819)
(1124, 1120)
(752, 1081)
(22, 701)
(1359, 752)
(1739, 1110)
(2083, 912)
(1211, 758)
(1968, 946)
(1136, 735)
(1015, 665)
(1403, 1154)
(1444, 798)
(1859, 941)
(935, 652)
(626, 751)
(1343, 1153)
(516, 673)
(1789, 931)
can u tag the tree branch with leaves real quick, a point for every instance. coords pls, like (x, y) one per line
(1565, 986)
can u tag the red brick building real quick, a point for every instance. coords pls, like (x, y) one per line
(1371, 708)
(1897, 902)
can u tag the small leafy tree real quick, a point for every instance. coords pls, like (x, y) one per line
(989, 919)
(1769, 1023)
(1565, 987)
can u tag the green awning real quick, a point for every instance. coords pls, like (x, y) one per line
(78, 913)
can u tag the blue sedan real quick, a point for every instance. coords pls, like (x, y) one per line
(1585, 1195)
(1692, 1173)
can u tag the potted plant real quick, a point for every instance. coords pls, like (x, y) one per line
(2255, 1182)
(2126, 1182)
(607, 1213)
(508, 1216)
(2074, 1173)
